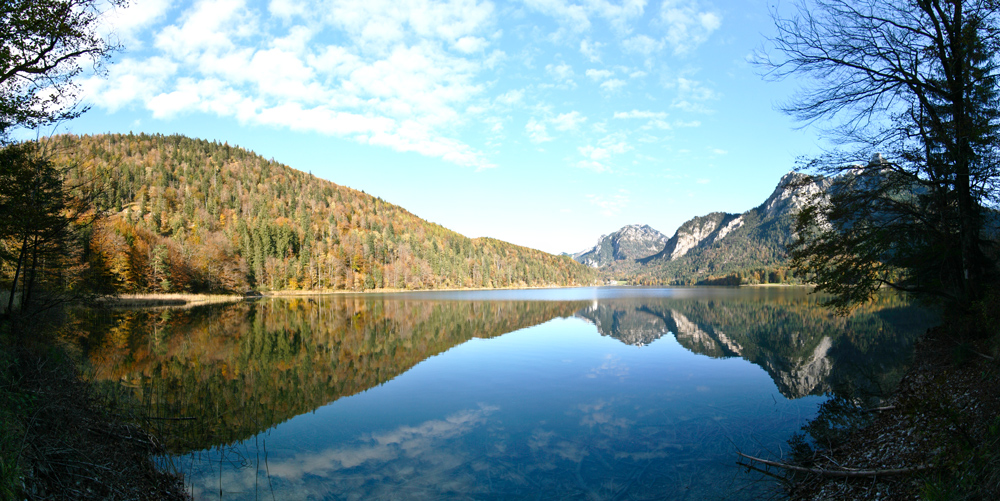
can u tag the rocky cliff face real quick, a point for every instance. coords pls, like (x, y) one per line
(767, 226)
(792, 193)
(632, 242)
(698, 231)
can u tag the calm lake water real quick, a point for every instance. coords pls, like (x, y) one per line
(591, 393)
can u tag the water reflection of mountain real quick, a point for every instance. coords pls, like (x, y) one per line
(628, 324)
(805, 348)
(242, 368)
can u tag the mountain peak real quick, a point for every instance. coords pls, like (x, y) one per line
(631, 242)
(718, 244)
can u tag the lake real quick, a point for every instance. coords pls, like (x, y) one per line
(588, 393)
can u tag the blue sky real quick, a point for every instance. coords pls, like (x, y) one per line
(545, 123)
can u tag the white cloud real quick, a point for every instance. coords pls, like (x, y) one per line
(577, 18)
(599, 74)
(641, 114)
(615, 143)
(568, 121)
(618, 14)
(409, 75)
(168, 104)
(609, 145)
(594, 153)
(613, 84)
(610, 205)
(400, 74)
(641, 44)
(510, 97)
(537, 131)
(287, 8)
(687, 25)
(572, 16)
(495, 123)
(379, 25)
(658, 124)
(209, 27)
(692, 95)
(129, 81)
(468, 45)
(591, 50)
(126, 23)
(592, 165)
(561, 72)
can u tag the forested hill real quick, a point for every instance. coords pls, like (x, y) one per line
(182, 214)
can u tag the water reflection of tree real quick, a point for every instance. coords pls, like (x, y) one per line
(241, 369)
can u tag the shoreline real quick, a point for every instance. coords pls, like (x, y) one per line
(194, 299)
(940, 428)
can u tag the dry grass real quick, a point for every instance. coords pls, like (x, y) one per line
(175, 299)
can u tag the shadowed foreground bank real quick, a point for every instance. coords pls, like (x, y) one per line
(62, 438)
(936, 437)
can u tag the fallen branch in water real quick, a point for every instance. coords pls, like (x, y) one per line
(839, 473)
(879, 409)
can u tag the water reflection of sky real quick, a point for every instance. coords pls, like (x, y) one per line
(548, 412)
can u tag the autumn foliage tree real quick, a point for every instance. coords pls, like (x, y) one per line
(44, 45)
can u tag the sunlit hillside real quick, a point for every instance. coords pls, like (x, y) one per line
(182, 214)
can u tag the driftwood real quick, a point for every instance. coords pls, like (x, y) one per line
(879, 409)
(839, 473)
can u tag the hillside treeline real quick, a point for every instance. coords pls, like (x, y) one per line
(182, 214)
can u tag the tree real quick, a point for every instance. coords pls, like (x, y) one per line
(908, 90)
(43, 44)
(39, 216)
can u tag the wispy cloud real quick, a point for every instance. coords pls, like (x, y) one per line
(568, 121)
(537, 131)
(595, 74)
(591, 50)
(395, 74)
(641, 114)
(687, 24)
(610, 205)
(562, 72)
(612, 84)
(424, 76)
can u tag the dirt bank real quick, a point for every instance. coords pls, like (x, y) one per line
(940, 429)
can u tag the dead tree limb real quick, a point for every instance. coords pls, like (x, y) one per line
(839, 473)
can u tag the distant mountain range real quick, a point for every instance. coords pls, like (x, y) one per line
(717, 248)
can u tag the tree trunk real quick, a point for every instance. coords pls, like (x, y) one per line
(17, 273)
(30, 279)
